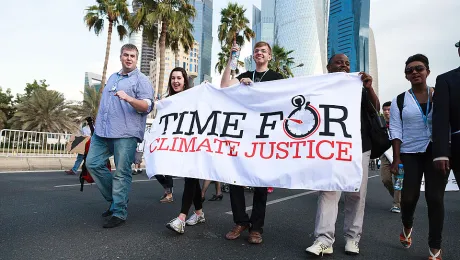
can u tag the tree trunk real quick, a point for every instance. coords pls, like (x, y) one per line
(107, 52)
(162, 46)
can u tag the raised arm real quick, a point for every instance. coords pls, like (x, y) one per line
(226, 81)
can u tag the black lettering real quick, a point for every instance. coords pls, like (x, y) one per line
(328, 120)
(167, 120)
(264, 123)
(179, 125)
(235, 124)
(196, 120)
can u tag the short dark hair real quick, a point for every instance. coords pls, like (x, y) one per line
(130, 47)
(419, 57)
(171, 90)
(386, 104)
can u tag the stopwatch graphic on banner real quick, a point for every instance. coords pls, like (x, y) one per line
(303, 121)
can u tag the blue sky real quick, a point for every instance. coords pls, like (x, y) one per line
(47, 39)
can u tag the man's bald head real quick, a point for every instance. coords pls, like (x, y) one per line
(338, 63)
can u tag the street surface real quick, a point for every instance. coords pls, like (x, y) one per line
(43, 215)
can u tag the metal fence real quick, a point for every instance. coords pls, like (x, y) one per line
(18, 143)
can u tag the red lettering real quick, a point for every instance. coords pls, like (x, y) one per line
(173, 148)
(187, 146)
(161, 148)
(272, 150)
(278, 147)
(296, 144)
(219, 150)
(232, 148)
(344, 151)
(318, 147)
(154, 148)
(206, 144)
(254, 145)
(310, 149)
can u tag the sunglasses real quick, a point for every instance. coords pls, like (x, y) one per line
(418, 68)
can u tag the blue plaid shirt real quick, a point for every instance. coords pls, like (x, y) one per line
(117, 118)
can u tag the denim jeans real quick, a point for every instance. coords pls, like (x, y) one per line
(114, 187)
(78, 162)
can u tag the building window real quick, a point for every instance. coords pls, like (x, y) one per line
(184, 66)
(190, 68)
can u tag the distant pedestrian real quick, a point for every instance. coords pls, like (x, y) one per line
(386, 175)
(138, 158)
(86, 132)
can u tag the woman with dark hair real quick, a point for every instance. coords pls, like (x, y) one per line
(178, 82)
(410, 131)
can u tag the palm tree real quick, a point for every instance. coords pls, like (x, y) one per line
(281, 61)
(117, 14)
(87, 107)
(163, 13)
(222, 61)
(180, 34)
(232, 23)
(44, 111)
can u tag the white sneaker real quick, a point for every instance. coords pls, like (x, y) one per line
(318, 248)
(176, 225)
(352, 247)
(195, 219)
(395, 209)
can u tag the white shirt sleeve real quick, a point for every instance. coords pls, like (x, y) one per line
(396, 127)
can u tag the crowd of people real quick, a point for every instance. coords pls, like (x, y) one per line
(423, 124)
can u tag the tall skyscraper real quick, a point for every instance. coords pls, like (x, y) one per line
(373, 68)
(268, 21)
(187, 60)
(263, 24)
(349, 32)
(301, 26)
(256, 24)
(203, 35)
(147, 51)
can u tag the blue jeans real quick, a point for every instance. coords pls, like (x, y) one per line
(78, 162)
(114, 187)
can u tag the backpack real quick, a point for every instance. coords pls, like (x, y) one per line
(378, 133)
(400, 102)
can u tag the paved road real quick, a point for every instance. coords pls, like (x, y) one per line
(40, 219)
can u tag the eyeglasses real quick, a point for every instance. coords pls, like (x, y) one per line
(260, 50)
(418, 68)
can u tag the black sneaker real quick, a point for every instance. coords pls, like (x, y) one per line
(114, 222)
(107, 213)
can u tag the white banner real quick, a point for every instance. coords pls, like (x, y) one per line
(299, 133)
(451, 183)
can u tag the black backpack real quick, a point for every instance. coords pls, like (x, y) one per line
(378, 133)
(400, 102)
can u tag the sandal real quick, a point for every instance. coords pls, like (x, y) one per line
(406, 240)
(437, 256)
